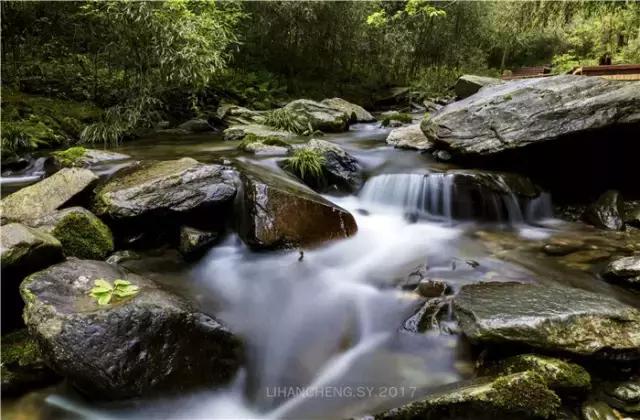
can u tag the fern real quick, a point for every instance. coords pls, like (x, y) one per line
(307, 164)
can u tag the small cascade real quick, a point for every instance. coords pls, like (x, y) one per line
(460, 195)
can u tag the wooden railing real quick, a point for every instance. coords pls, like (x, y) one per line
(614, 71)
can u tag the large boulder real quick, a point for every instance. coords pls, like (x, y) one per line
(549, 318)
(142, 344)
(469, 84)
(606, 212)
(318, 116)
(80, 232)
(25, 250)
(167, 192)
(66, 187)
(82, 158)
(409, 137)
(279, 212)
(340, 170)
(522, 395)
(355, 112)
(231, 114)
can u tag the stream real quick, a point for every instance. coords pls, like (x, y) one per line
(324, 330)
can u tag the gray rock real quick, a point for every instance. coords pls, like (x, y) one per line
(355, 112)
(81, 157)
(319, 116)
(607, 212)
(409, 137)
(278, 212)
(24, 250)
(237, 115)
(624, 396)
(469, 84)
(143, 344)
(166, 191)
(597, 410)
(432, 288)
(194, 242)
(632, 215)
(196, 126)
(484, 398)
(119, 257)
(239, 132)
(624, 267)
(549, 318)
(47, 196)
(518, 113)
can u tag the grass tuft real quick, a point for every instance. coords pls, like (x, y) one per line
(306, 164)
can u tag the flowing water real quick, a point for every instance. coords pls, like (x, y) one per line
(324, 330)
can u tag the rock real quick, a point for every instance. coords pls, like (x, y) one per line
(624, 267)
(143, 344)
(80, 232)
(239, 132)
(119, 257)
(23, 368)
(167, 192)
(59, 190)
(598, 410)
(549, 318)
(409, 137)
(341, 170)
(632, 215)
(25, 250)
(559, 375)
(527, 111)
(522, 395)
(264, 145)
(237, 115)
(562, 246)
(197, 125)
(81, 157)
(429, 288)
(442, 155)
(194, 242)
(607, 212)
(319, 116)
(355, 112)
(279, 212)
(623, 396)
(469, 84)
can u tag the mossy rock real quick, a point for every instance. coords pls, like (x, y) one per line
(78, 156)
(23, 367)
(80, 232)
(252, 143)
(559, 375)
(396, 116)
(523, 395)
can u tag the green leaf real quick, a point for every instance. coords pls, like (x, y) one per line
(102, 283)
(120, 282)
(104, 299)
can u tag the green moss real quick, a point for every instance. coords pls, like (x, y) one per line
(83, 236)
(251, 138)
(526, 392)
(507, 97)
(396, 116)
(68, 158)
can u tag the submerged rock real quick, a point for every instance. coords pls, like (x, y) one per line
(319, 116)
(409, 137)
(197, 125)
(143, 344)
(60, 189)
(23, 368)
(194, 242)
(341, 171)
(559, 375)
(280, 213)
(81, 157)
(598, 410)
(80, 232)
(624, 396)
(355, 112)
(167, 192)
(607, 212)
(549, 318)
(522, 395)
(469, 84)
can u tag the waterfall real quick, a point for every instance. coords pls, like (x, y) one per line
(458, 195)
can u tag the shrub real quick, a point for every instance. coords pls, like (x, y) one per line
(307, 164)
(283, 119)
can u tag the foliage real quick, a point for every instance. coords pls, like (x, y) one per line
(251, 138)
(396, 116)
(285, 119)
(69, 156)
(307, 164)
(103, 291)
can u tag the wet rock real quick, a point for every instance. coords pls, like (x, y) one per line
(143, 344)
(319, 116)
(598, 410)
(63, 188)
(341, 170)
(25, 250)
(237, 115)
(549, 318)
(622, 268)
(607, 212)
(81, 158)
(522, 395)
(167, 192)
(279, 212)
(194, 242)
(518, 113)
(79, 231)
(429, 288)
(442, 155)
(123, 256)
(197, 125)
(624, 396)
(559, 375)
(23, 368)
(239, 132)
(632, 214)
(562, 246)
(469, 84)
(355, 112)
(409, 137)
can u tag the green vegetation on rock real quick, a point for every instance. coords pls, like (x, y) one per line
(23, 367)
(83, 235)
(251, 138)
(285, 119)
(396, 116)
(306, 163)
(70, 156)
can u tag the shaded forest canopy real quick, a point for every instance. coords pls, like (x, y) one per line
(132, 64)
